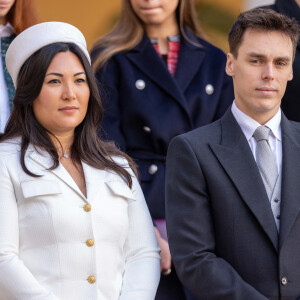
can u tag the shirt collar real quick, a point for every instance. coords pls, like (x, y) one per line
(171, 38)
(6, 30)
(248, 125)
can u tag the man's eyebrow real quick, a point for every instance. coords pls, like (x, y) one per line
(257, 55)
(283, 58)
(254, 54)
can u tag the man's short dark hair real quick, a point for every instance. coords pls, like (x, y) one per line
(265, 20)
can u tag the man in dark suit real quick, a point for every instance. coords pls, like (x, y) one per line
(233, 187)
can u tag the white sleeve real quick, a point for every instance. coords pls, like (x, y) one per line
(16, 281)
(142, 266)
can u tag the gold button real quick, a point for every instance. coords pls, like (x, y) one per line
(90, 242)
(92, 279)
(87, 207)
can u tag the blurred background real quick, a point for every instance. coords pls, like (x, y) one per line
(95, 17)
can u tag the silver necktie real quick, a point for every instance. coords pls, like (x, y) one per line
(265, 158)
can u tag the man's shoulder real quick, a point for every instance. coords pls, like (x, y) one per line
(202, 135)
(295, 125)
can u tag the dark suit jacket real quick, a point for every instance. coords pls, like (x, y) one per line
(221, 229)
(168, 106)
(291, 100)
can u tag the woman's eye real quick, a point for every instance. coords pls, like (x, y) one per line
(80, 80)
(53, 81)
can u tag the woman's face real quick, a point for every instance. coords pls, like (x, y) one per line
(63, 100)
(155, 12)
(5, 6)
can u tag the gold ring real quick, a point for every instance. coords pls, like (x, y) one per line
(167, 272)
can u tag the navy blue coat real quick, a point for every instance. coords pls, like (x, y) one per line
(143, 116)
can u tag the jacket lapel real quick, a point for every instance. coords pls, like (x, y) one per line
(235, 155)
(290, 188)
(189, 61)
(45, 161)
(94, 178)
(145, 58)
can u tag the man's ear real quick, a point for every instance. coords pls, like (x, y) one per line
(230, 64)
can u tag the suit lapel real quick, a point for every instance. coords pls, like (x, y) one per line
(235, 155)
(290, 188)
(189, 61)
(145, 58)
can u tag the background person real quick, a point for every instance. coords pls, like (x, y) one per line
(232, 189)
(73, 220)
(15, 16)
(160, 79)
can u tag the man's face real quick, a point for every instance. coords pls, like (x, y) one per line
(260, 72)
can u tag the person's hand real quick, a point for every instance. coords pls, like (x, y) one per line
(165, 254)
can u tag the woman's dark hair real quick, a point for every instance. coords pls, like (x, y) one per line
(87, 146)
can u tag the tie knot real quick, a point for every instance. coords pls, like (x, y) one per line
(261, 133)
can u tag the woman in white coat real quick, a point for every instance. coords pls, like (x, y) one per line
(73, 220)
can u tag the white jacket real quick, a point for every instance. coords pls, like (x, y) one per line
(44, 232)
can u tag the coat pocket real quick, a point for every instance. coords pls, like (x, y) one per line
(40, 187)
(121, 189)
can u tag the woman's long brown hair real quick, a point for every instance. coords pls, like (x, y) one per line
(129, 30)
(22, 15)
(87, 146)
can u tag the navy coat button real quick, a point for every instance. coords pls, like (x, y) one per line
(152, 169)
(284, 281)
(147, 129)
(209, 89)
(140, 84)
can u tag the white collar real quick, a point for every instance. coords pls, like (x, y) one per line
(248, 125)
(6, 30)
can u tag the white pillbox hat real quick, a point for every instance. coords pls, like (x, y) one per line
(36, 37)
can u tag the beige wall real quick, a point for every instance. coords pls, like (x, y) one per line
(234, 6)
(229, 7)
(92, 17)
(96, 17)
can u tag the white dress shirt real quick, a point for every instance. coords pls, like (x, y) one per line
(248, 126)
(5, 31)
